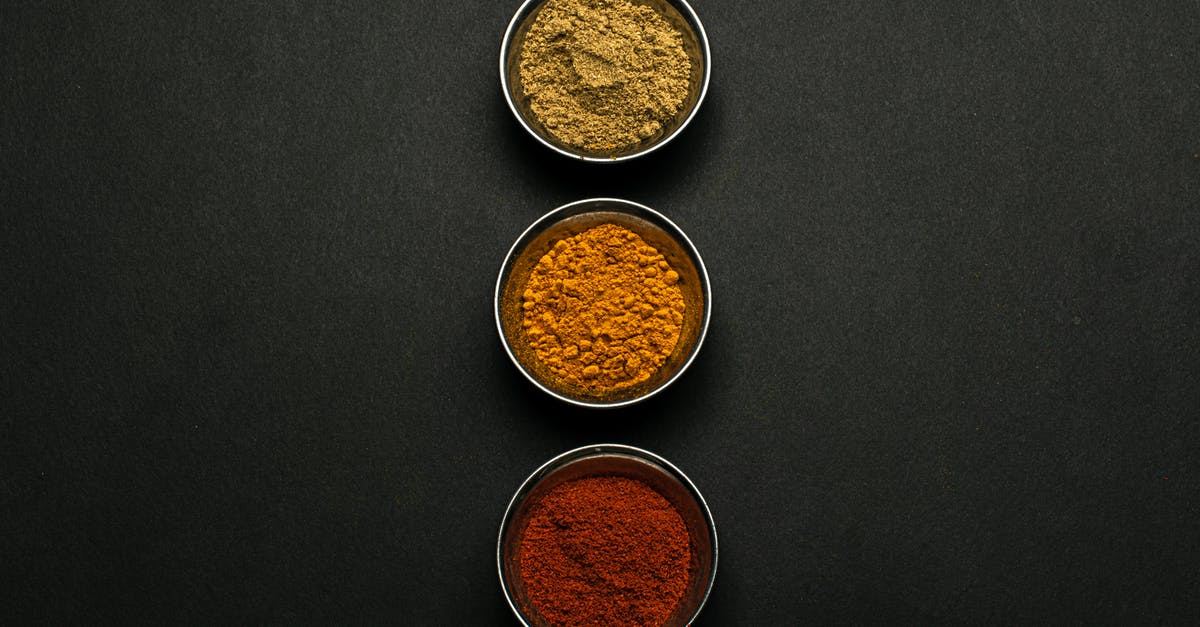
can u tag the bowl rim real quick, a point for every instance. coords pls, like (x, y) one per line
(689, 15)
(617, 205)
(598, 450)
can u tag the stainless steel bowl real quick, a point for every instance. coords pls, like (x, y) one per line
(695, 43)
(575, 218)
(610, 460)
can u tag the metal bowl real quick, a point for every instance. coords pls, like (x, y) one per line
(570, 220)
(695, 43)
(610, 460)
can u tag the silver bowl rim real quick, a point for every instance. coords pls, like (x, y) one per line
(689, 15)
(620, 206)
(597, 450)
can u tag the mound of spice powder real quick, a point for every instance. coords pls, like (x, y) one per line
(605, 552)
(603, 309)
(603, 75)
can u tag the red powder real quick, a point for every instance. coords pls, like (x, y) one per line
(605, 551)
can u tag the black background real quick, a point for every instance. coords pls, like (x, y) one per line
(250, 371)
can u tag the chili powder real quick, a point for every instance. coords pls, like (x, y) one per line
(605, 551)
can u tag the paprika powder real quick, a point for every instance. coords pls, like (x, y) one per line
(605, 551)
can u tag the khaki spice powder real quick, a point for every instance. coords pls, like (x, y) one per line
(603, 309)
(603, 75)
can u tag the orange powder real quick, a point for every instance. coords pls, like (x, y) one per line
(603, 309)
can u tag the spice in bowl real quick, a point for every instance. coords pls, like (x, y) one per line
(605, 551)
(610, 535)
(602, 302)
(604, 75)
(603, 309)
(604, 80)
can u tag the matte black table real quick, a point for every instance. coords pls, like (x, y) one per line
(249, 371)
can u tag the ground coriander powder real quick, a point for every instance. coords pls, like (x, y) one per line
(603, 75)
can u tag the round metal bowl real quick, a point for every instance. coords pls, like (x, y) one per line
(611, 460)
(695, 43)
(570, 220)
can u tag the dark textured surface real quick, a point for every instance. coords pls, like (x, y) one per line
(249, 371)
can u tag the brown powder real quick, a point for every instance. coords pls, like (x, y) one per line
(603, 309)
(603, 75)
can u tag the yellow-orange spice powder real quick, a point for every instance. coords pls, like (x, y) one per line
(603, 309)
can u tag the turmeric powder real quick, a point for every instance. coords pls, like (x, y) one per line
(603, 309)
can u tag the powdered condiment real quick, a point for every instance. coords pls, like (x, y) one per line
(603, 75)
(603, 309)
(607, 551)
